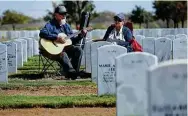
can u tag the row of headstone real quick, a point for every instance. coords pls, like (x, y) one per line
(14, 54)
(18, 34)
(99, 33)
(93, 60)
(131, 62)
(165, 48)
(142, 86)
(159, 32)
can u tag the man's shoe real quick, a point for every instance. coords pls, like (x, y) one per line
(71, 75)
(84, 74)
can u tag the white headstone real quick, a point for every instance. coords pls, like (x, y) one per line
(149, 33)
(185, 31)
(35, 47)
(36, 34)
(167, 88)
(98, 34)
(11, 56)
(106, 68)
(140, 38)
(138, 32)
(149, 45)
(180, 48)
(11, 35)
(83, 59)
(131, 75)
(152, 32)
(89, 35)
(180, 31)
(29, 47)
(94, 47)
(19, 53)
(24, 47)
(159, 32)
(17, 34)
(172, 31)
(172, 37)
(3, 63)
(163, 48)
(88, 55)
(23, 33)
(181, 36)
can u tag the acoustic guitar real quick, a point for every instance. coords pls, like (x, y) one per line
(55, 48)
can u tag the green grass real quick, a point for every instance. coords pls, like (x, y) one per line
(21, 83)
(30, 70)
(56, 101)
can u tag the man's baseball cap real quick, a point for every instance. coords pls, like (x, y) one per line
(120, 17)
(60, 9)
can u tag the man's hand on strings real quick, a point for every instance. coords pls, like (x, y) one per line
(84, 31)
(60, 40)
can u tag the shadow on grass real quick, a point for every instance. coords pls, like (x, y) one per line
(28, 76)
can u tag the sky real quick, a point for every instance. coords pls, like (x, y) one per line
(37, 9)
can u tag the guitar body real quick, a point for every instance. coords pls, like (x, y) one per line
(52, 47)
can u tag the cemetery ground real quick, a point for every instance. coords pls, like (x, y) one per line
(28, 94)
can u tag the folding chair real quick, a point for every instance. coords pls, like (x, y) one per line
(49, 65)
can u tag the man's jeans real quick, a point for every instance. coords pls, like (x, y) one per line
(70, 59)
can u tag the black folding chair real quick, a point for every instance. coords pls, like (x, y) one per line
(48, 66)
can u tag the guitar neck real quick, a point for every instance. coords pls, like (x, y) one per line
(72, 35)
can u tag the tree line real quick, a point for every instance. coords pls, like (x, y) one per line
(164, 10)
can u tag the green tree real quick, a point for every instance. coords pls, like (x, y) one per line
(163, 10)
(13, 17)
(148, 17)
(49, 15)
(137, 15)
(175, 10)
(74, 9)
(175, 13)
(181, 7)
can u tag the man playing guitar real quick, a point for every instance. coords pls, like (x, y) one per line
(50, 32)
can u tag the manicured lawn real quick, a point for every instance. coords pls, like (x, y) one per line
(56, 101)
